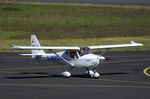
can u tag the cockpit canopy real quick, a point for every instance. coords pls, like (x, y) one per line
(77, 53)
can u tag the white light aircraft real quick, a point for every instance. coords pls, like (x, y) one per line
(76, 57)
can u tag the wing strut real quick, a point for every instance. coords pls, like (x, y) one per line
(62, 58)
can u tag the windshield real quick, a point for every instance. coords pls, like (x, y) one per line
(77, 53)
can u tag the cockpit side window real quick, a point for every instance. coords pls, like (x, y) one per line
(84, 51)
(72, 54)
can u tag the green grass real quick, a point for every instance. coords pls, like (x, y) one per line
(72, 24)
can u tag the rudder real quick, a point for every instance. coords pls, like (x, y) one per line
(35, 43)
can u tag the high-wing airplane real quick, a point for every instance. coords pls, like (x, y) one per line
(75, 57)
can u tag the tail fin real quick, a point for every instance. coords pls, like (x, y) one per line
(35, 43)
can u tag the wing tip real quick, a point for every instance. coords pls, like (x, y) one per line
(135, 43)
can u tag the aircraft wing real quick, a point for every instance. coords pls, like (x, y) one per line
(132, 43)
(45, 47)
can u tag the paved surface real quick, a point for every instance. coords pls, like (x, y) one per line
(122, 77)
(116, 2)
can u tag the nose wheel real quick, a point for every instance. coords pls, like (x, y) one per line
(92, 74)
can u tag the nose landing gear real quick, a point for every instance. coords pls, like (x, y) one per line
(92, 74)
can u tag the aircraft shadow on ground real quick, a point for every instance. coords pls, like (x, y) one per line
(30, 75)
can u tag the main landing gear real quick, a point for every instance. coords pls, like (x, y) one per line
(66, 74)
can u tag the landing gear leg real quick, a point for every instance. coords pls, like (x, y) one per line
(90, 73)
(96, 74)
(70, 69)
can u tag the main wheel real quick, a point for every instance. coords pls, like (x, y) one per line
(90, 73)
(96, 75)
(66, 74)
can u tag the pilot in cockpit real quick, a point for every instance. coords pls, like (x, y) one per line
(84, 51)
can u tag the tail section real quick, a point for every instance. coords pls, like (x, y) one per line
(35, 43)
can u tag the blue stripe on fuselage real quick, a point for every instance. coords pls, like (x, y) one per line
(53, 58)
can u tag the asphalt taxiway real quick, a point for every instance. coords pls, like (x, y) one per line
(126, 75)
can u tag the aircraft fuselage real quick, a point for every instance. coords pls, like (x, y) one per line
(88, 60)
